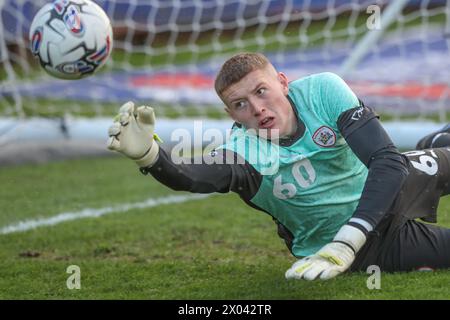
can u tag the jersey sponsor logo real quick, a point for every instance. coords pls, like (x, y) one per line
(357, 114)
(324, 137)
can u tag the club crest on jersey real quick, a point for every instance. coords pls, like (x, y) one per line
(324, 137)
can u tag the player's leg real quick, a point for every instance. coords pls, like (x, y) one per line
(438, 139)
(398, 234)
(403, 244)
(418, 245)
(412, 244)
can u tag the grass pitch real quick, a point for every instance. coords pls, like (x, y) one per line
(215, 248)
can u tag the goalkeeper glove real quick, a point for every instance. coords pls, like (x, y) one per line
(133, 134)
(333, 259)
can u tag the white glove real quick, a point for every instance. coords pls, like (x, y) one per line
(133, 134)
(333, 259)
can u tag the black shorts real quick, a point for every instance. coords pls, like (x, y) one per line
(400, 242)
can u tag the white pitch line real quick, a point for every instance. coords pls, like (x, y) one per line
(90, 212)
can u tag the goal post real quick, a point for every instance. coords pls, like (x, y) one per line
(166, 54)
(372, 36)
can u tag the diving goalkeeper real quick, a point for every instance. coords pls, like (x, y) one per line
(342, 195)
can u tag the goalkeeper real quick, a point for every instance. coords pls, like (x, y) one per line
(343, 197)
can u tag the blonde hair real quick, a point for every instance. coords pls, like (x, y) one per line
(237, 67)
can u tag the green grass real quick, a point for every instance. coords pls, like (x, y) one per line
(216, 248)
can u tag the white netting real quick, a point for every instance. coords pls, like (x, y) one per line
(166, 53)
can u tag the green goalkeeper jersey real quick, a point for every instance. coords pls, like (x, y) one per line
(312, 186)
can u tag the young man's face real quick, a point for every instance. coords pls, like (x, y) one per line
(258, 101)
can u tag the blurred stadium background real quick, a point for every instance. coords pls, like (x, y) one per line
(167, 52)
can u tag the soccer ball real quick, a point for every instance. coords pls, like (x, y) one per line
(72, 39)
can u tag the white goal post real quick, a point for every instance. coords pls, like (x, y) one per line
(394, 55)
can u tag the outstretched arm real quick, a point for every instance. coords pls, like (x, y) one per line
(210, 174)
(132, 134)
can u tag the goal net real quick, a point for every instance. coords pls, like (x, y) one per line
(394, 55)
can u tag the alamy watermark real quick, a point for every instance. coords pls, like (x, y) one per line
(374, 281)
(374, 20)
(74, 280)
(259, 147)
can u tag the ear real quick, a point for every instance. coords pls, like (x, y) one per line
(230, 114)
(284, 82)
